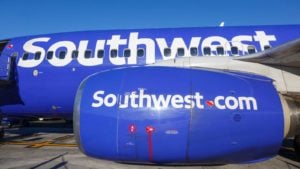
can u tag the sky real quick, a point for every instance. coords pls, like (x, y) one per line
(32, 17)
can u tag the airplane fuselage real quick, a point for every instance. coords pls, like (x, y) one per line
(50, 68)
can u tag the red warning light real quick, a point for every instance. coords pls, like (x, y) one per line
(150, 129)
(132, 128)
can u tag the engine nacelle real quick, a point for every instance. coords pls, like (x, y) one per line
(177, 115)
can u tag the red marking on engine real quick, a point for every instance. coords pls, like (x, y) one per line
(132, 128)
(210, 103)
(150, 130)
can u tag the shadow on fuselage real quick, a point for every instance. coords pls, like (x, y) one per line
(9, 87)
(9, 93)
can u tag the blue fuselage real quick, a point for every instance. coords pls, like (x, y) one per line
(47, 86)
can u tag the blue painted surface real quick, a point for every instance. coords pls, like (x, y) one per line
(207, 134)
(56, 86)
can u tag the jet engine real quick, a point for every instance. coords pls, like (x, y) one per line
(168, 115)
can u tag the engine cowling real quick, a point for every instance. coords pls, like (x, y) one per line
(177, 115)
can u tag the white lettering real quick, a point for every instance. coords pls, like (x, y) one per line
(60, 62)
(125, 102)
(141, 99)
(29, 47)
(161, 101)
(215, 41)
(177, 101)
(114, 44)
(133, 98)
(198, 99)
(263, 39)
(110, 100)
(250, 103)
(188, 99)
(98, 99)
(231, 103)
(218, 104)
(133, 42)
(176, 43)
(234, 103)
(237, 41)
(94, 61)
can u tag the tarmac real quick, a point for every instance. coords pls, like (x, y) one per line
(52, 145)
